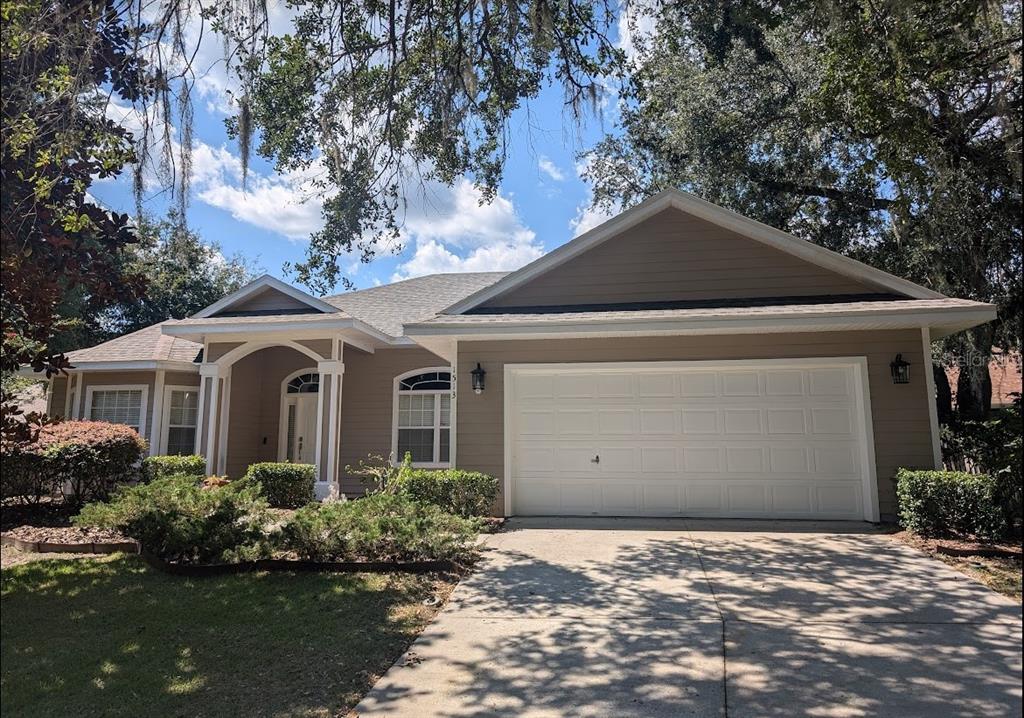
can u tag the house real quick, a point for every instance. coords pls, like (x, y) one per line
(679, 359)
(1004, 371)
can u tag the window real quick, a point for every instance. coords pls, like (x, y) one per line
(118, 405)
(304, 384)
(181, 420)
(423, 406)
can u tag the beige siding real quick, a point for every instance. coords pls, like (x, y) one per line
(216, 350)
(58, 396)
(899, 412)
(255, 412)
(673, 257)
(367, 392)
(268, 300)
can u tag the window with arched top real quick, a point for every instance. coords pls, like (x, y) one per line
(304, 384)
(422, 416)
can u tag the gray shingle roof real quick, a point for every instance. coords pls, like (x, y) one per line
(385, 308)
(791, 310)
(148, 344)
(390, 306)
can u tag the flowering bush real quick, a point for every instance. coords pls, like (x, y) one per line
(80, 460)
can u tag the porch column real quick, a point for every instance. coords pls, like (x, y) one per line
(209, 414)
(328, 426)
(156, 426)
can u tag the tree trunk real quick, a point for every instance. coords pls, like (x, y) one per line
(943, 394)
(974, 385)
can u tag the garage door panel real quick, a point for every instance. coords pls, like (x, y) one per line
(741, 383)
(763, 441)
(742, 421)
(700, 421)
(786, 421)
(785, 382)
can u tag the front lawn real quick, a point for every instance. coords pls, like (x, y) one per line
(113, 637)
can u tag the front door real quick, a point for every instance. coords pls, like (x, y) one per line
(300, 432)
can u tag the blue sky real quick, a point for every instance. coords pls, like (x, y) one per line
(542, 202)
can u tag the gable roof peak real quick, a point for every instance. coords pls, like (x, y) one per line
(710, 212)
(262, 283)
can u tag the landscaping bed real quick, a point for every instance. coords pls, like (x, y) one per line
(67, 539)
(998, 564)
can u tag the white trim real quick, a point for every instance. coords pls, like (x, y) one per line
(140, 365)
(158, 412)
(211, 425)
(225, 425)
(933, 409)
(282, 420)
(395, 459)
(692, 205)
(862, 394)
(93, 388)
(258, 284)
(250, 347)
(960, 318)
(453, 418)
(165, 421)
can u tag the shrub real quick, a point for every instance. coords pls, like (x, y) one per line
(286, 486)
(81, 460)
(944, 503)
(379, 527)
(463, 493)
(995, 447)
(176, 519)
(157, 467)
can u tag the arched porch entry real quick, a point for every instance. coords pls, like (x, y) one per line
(272, 401)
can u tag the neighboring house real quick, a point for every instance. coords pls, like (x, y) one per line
(1004, 370)
(679, 359)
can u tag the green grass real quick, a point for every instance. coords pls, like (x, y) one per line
(113, 637)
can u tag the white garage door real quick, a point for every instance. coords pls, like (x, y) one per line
(732, 439)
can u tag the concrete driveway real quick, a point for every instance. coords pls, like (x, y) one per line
(624, 617)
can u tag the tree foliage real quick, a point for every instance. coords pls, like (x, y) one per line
(369, 98)
(56, 139)
(889, 131)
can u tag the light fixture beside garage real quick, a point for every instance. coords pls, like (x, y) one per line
(478, 375)
(900, 369)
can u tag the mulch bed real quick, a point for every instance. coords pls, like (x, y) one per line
(962, 547)
(67, 539)
(272, 564)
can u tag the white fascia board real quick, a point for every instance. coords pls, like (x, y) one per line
(958, 319)
(705, 210)
(137, 365)
(259, 284)
(290, 327)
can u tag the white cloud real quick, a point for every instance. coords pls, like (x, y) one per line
(550, 169)
(452, 232)
(637, 26)
(587, 215)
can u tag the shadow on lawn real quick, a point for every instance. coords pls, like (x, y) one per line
(114, 637)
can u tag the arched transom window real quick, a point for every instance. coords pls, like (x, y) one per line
(304, 384)
(423, 406)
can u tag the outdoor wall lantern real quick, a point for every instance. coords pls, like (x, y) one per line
(478, 375)
(900, 370)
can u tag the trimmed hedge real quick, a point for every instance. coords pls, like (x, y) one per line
(949, 503)
(285, 486)
(379, 527)
(463, 493)
(157, 467)
(79, 460)
(177, 519)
